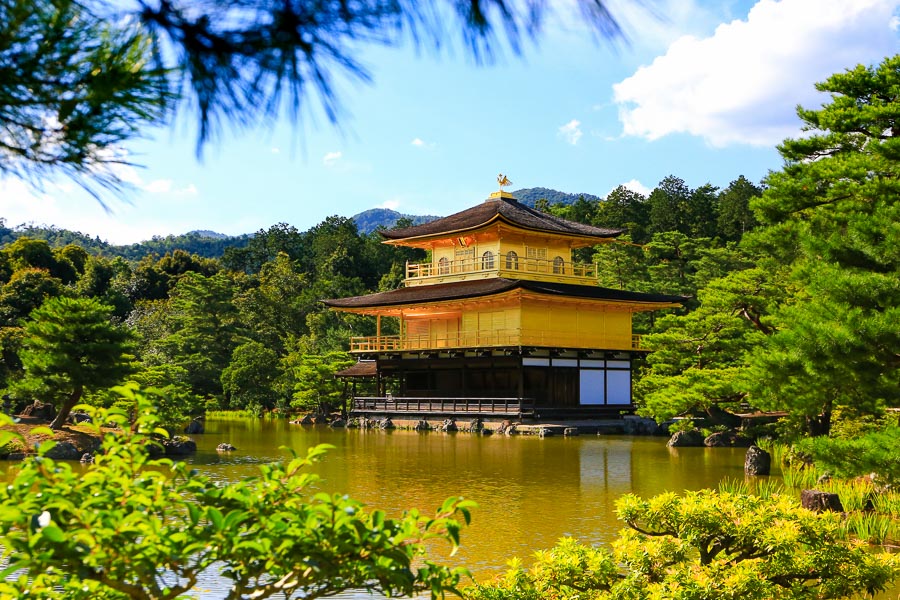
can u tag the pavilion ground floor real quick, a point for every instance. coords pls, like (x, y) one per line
(514, 382)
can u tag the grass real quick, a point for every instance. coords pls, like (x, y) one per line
(800, 477)
(855, 495)
(764, 488)
(887, 503)
(872, 527)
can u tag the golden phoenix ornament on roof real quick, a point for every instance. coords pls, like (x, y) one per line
(503, 180)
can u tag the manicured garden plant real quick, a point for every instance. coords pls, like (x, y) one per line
(704, 545)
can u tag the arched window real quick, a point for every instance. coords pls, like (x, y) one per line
(444, 266)
(559, 265)
(512, 260)
(487, 261)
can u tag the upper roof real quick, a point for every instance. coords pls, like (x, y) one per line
(459, 290)
(504, 208)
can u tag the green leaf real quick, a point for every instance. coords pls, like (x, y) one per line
(53, 533)
(216, 517)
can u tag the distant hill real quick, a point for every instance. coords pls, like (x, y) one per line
(208, 234)
(528, 196)
(370, 220)
(211, 244)
(205, 243)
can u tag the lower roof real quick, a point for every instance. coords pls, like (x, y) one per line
(459, 290)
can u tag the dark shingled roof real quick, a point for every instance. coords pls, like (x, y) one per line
(507, 209)
(458, 290)
(363, 368)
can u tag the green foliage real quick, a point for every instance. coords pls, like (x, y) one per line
(832, 215)
(875, 452)
(698, 359)
(735, 217)
(705, 545)
(131, 527)
(249, 379)
(204, 329)
(71, 346)
(310, 379)
(74, 87)
(25, 291)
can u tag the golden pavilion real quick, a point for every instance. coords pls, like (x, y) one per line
(500, 321)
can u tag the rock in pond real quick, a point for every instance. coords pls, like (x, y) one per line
(64, 451)
(195, 427)
(725, 439)
(820, 501)
(225, 447)
(682, 439)
(757, 462)
(179, 446)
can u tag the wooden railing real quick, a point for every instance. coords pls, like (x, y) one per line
(494, 338)
(500, 264)
(446, 406)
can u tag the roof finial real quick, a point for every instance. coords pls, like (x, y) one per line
(503, 181)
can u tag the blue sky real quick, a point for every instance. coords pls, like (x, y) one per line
(704, 93)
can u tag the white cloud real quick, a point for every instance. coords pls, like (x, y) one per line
(571, 131)
(167, 186)
(389, 204)
(331, 158)
(188, 190)
(159, 186)
(742, 84)
(420, 143)
(636, 186)
(61, 206)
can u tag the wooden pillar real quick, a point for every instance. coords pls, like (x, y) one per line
(378, 331)
(521, 379)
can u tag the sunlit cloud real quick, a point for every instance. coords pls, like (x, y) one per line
(571, 132)
(331, 158)
(742, 84)
(636, 186)
(389, 204)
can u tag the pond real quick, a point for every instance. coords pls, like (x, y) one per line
(530, 491)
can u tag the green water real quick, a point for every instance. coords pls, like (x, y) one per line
(531, 491)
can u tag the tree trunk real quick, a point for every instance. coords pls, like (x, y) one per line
(819, 425)
(66, 408)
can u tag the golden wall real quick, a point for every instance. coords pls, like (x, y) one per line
(533, 323)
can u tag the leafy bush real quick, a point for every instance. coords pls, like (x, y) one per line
(131, 527)
(704, 545)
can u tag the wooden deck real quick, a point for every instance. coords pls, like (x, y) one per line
(495, 407)
(516, 408)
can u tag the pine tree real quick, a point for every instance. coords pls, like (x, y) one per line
(70, 347)
(832, 213)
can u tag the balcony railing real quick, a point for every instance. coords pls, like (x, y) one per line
(495, 338)
(503, 266)
(444, 406)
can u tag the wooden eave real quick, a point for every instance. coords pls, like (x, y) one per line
(455, 307)
(425, 242)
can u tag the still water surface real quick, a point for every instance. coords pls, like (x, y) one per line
(531, 491)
